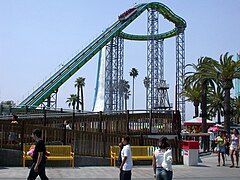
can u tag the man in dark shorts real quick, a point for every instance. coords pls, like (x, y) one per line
(39, 157)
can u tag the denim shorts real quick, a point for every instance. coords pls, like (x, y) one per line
(162, 174)
(221, 149)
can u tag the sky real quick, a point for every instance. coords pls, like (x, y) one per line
(37, 37)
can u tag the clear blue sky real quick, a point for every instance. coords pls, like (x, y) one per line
(36, 37)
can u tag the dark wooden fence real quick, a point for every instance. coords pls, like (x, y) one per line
(93, 134)
(123, 122)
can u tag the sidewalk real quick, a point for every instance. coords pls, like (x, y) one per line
(206, 170)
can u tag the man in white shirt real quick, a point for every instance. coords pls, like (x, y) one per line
(127, 163)
(66, 123)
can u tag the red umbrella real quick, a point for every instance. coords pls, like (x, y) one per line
(215, 128)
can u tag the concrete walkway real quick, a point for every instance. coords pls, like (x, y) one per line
(206, 170)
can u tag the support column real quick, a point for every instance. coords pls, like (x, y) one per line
(155, 65)
(113, 74)
(51, 101)
(180, 71)
(164, 102)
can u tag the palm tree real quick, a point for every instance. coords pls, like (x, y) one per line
(192, 94)
(225, 71)
(203, 78)
(134, 74)
(124, 91)
(215, 99)
(236, 108)
(72, 101)
(146, 82)
(80, 83)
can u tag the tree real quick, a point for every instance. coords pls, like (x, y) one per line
(80, 83)
(124, 91)
(192, 94)
(225, 71)
(134, 74)
(203, 78)
(72, 101)
(146, 82)
(236, 108)
(215, 99)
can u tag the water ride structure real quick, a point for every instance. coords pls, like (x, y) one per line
(110, 44)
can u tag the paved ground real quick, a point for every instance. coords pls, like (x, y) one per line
(206, 170)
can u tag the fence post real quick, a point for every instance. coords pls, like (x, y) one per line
(64, 135)
(178, 120)
(26, 109)
(104, 142)
(127, 121)
(73, 119)
(141, 143)
(178, 123)
(44, 116)
(100, 122)
(22, 133)
(150, 119)
(174, 129)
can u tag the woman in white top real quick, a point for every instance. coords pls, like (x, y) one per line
(162, 161)
(234, 147)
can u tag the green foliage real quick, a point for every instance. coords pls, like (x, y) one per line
(72, 100)
(217, 76)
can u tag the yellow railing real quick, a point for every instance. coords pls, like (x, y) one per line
(56, 152)
(138, 153)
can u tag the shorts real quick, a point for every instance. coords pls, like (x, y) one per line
(234, 147)
(221, 149)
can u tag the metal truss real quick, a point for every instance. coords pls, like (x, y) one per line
(51, 101)
(113, 75)
(155, 71)
(164, 102)
(161, 60)
(180, 71)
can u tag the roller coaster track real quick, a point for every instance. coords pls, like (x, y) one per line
(62, 75)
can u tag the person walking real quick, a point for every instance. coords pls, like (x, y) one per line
(234, 147)
(227, 146)
(221, 142)
(12, 137)
(127, 163)
(212, 140)
(66, 124)
(119, 160)
(39, 157)
(162, 161)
